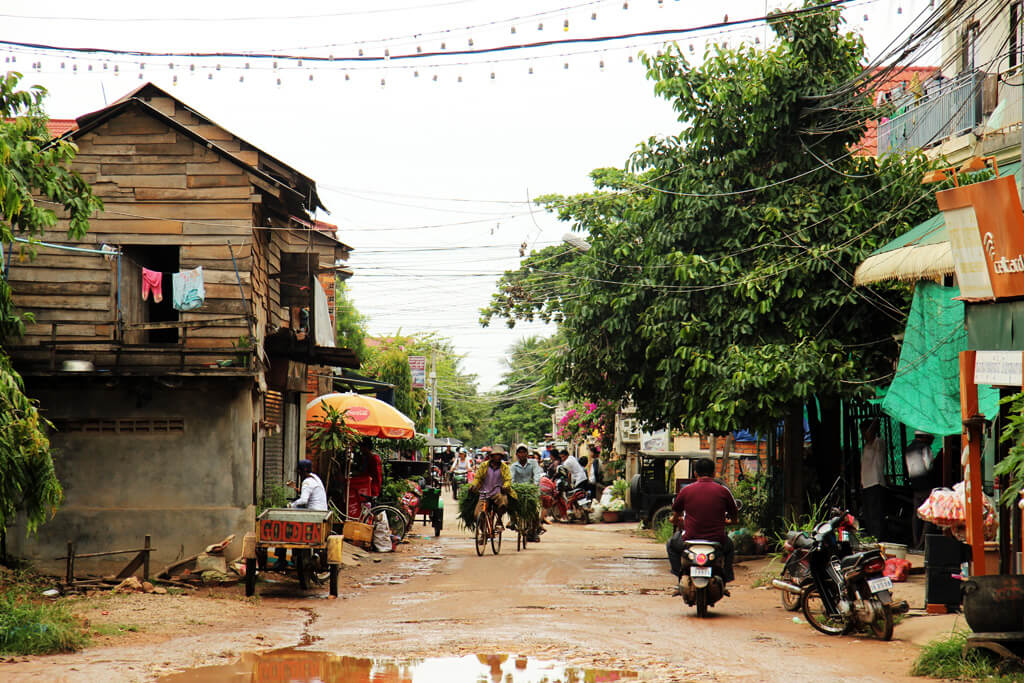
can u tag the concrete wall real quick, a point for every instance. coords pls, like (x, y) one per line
(186, 489)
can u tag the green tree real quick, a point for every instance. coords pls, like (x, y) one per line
(31, 165)
(350, 324)
(519, 407)
(717, 290)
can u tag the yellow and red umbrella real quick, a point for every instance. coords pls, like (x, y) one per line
(365, 414)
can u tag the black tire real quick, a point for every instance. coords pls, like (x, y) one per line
(495, 542)
(814, 612)
(302, 568)
(662, 513)
(335, 570)
(250, 577)
(481, 533)
(702, 603)
(397, 520)
(438, 522)
(881, 626)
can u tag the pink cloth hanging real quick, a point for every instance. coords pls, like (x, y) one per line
(152, 281)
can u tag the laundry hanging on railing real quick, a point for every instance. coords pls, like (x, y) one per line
(187, 289)
(152, 282)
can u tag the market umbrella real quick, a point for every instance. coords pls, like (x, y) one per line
(365, 414)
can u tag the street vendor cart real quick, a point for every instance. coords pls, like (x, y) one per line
(307, 533)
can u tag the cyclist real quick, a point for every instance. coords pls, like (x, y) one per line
(525, 470)
(459, 471)
(493, 480)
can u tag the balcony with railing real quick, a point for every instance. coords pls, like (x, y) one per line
(949, 107)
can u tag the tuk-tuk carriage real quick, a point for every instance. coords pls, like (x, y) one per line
(429, 502)
(307, 533)
(654, 488)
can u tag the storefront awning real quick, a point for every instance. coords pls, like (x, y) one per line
(922, 253)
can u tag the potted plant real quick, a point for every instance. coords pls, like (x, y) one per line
(618, 503)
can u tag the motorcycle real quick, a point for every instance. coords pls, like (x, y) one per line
(841, 592)
(459, 480)
(703, 580)
(563, 502)
(796, 568)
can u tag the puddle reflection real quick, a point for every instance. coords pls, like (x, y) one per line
(304, 666)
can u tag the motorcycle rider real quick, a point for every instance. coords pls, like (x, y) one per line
(705, 504)
(575, 469)
(460, 465)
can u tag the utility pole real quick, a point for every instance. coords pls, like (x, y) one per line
(433, 393)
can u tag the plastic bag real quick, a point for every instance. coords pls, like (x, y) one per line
(947, 508)
(382, 533)
(897, 569)
(606, 497)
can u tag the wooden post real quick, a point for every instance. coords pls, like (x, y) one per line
(69, 577)
(145, 560)
(971, 461)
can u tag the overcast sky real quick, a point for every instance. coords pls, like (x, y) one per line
(428, 176)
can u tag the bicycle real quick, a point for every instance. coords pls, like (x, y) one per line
(485, 530)
(398, 521)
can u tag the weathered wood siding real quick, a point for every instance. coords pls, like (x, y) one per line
(159, 187)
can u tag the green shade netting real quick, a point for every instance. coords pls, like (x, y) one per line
(925, 392)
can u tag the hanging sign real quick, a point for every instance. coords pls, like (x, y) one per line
(418, 367)
(999, 368)
(985, 225)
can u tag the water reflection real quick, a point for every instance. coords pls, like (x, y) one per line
(304, 666)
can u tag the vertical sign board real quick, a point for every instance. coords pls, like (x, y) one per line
(986, 231)
(418, 367)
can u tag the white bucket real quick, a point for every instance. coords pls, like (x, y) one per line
(897, 550)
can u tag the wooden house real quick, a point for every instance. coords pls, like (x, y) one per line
(172, 422)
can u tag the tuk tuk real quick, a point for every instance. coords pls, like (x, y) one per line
(654, 488)
(307, 533)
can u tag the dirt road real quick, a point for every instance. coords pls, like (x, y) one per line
(595, 596)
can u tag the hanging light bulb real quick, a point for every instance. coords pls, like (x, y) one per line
(565, 25)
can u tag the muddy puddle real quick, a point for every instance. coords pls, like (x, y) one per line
(304, 666)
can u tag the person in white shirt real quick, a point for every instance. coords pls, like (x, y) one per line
(576, 471)
(312, 496)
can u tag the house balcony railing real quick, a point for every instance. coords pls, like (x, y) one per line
(949, 108)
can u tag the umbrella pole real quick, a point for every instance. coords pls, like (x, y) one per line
(348, 480)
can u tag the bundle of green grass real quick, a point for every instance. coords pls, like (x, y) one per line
(525, 507)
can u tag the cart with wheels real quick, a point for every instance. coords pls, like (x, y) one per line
(307, 533)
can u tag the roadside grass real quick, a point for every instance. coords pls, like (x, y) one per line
(114, 629)
(945, 658)
(33, 625)
(664, 531)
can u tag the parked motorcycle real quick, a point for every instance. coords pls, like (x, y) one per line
(560, 500)
(703, 580)
(842, 591)
(796, 568)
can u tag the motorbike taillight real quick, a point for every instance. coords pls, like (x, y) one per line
(702, 558)
(875, 565)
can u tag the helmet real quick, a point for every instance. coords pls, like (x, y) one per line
(523, 447)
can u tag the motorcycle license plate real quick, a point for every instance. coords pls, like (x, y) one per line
(881, 584)
(700, 571)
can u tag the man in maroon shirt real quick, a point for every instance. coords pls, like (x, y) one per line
(705, 504)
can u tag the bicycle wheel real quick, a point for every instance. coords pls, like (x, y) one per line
(495, 541)
(397, 520)
(481, 532)
(816, 615)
